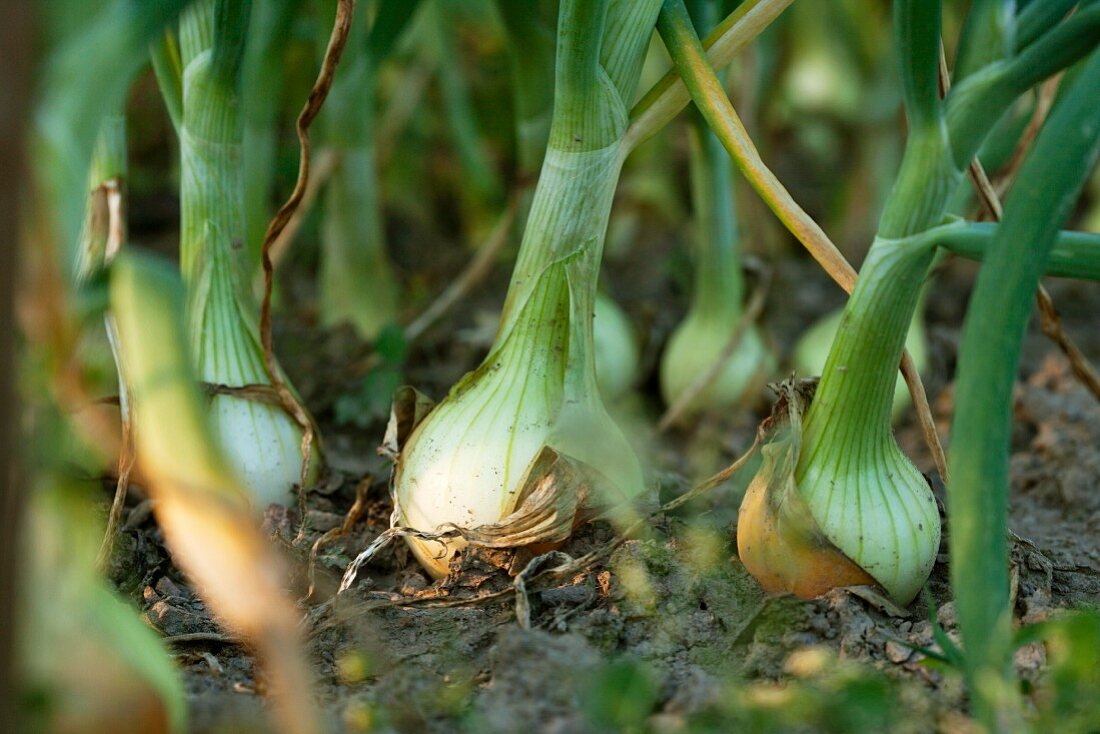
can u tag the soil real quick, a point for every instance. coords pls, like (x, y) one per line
(671, 623)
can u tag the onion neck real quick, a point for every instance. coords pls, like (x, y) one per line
(850, 412)
(601, 47)
(851, 409)
(211, 175)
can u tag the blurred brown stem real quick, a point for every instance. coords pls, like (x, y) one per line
(15, 39)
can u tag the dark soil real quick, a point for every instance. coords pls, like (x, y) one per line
(671, 624)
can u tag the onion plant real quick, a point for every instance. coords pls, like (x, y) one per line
(260, 438)
(836, 500)
(202, 504)
(863, 495)
(466, 463)
(531, 39)
(716, 307)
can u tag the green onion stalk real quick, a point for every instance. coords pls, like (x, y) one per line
(356, 283)
(1024, 243)
(531, 43)
(260, 438)
(812, 350)
(472, 460)
(716, 307)
(843, 483)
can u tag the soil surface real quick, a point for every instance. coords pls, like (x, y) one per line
(668, 633)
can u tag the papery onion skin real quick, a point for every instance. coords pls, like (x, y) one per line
(463, 464)
(783, 561)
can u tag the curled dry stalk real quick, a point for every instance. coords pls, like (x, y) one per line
(354, 514)
(336, 43)
(322, 169)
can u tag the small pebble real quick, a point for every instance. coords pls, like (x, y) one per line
(945, 615)
(896, 652)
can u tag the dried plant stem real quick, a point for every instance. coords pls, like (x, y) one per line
(326, 163)
(1051, 323)
(354, 514)
(127, 458)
